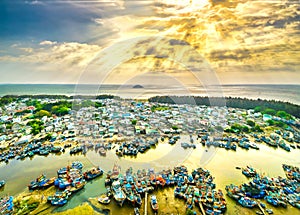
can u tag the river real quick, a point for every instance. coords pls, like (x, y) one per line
(219, 162)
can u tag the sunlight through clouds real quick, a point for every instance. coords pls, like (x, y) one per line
(238, 38)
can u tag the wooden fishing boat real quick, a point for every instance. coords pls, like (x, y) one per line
(118, 193)
(59, 201)
(247, 202)
(154, 203)
(64, 194)
(138, 199)
(104, 199)
(249, 171)
(136, 211)
(47, 183)
(93, 173)
(35, 184)
(78, 185)
(102, 151)
(55, 149)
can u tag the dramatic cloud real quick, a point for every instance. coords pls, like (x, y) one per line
(243, 41)
(64, 54)
(48, 42)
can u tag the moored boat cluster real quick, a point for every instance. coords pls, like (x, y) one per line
(6, 205)
(196, 188)
(69, 180)
(276, 191)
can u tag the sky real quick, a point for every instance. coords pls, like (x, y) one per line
(151, 41)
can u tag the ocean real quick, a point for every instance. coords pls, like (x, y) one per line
(288, 93)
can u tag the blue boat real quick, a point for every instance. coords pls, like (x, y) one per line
(64, 194)
(93, 173)
(247, 202)
(154, 203)
(249, 172)
(59, 201)
(77, 165)
(7, 205)
(35, 184)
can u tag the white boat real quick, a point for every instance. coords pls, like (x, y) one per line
(154, 203)
(118, 193)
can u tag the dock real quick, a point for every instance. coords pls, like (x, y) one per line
(146, 201)
(201, 208)
(261, 208)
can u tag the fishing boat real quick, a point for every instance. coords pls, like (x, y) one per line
(249, 171)
(2, 183)
(62, 171)
(138, 199)
(76, 150)
(56, 149)
(62, 183)
(284, 146)
(59, 201)
(64, 194)
(47, 183)
(118, 193)
(93, 173)
(35, 184)
(129, 194)
(77, 165)
(6, 205)
(77, 185)
(136, 211)
(269, 211)
(115, 172)
(247, 202)
(102, 151)
(291, 172)
(253, 146)
(104, 199)
(275, 201)
(189, 202)
(272, 144)
(154, 203)
(244, 145)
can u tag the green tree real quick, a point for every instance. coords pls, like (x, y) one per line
(269, 111)
(283, 114)
(258, 109)
(251, 123)
(8, 125)
(36, 126)
(256, 128)
(175, 127)
(271, 122)
(245, 129)
(42, 113)
(133, 122)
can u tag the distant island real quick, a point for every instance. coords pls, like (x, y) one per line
(137, 86)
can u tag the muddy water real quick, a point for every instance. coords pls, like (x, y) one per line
(219, 162)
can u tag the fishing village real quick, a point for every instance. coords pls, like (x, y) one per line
(102, 129)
